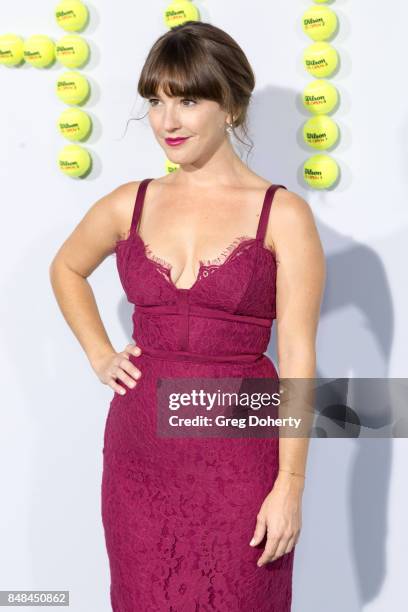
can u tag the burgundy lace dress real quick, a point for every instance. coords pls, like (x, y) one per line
(178, 514)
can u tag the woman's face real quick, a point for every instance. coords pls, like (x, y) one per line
(201, 121)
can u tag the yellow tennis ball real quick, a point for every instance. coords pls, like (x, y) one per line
(179, 12)
(74, 124)
(72, 51)
(74, 160)
(320, 59)
(71, 15)
(11, 50)
(39, 50)
(171, 166)
(71, 87)
(319, 22)
(320, 97)
(320, 171)
(320, 132)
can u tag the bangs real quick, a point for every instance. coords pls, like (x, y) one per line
(197, 60)
(180, 69)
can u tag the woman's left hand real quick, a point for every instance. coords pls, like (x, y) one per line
(280, 517)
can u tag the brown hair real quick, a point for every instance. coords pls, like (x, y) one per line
(199, 60)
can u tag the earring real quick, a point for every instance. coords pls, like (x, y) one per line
(229, 128)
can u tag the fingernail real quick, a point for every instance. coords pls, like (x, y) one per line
(252, 542)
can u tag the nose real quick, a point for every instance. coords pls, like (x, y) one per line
(171, 120)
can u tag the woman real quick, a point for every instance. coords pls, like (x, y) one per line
(197, 524)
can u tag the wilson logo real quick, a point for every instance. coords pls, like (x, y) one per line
(313, 173)
(316, 137)
(65, 14)
(69, 164)
(175, 14)
(316, 63)
(69, 126)
(66, 85)
(314, 22)
(315, 99)
(63, 49)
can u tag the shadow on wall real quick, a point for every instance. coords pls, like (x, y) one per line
(346, 510)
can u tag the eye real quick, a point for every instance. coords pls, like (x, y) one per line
(152, 101)
(188, 100)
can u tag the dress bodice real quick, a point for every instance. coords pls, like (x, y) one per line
(226, 315)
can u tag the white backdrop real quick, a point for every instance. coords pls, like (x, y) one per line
(349, 556)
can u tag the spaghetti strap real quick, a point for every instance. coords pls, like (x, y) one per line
(263, 220)
(137, 209)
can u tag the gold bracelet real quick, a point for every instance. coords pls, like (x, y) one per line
(294, 473)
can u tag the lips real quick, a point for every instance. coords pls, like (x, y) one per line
(176, 141)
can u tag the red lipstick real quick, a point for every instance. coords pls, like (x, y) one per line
(174, 142)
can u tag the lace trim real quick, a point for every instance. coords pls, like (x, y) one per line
(161, 262)
(217, 261)
(225, 255)
(206, 266)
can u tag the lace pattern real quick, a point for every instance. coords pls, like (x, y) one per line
(206, 266)
(178, 514)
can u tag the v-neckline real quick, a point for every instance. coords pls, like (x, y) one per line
(166, 267)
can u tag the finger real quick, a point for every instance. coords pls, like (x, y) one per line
(280, 549)
(296, 537)
(259, 533)
(136, 349)
(124, 377)
(114, 385)
(291, 545)
(133, 349)
(269, 551)
(129, 368)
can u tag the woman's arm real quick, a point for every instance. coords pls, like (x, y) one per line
(92, 240)
(299, 288)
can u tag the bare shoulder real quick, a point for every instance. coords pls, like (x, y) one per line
(116, 207)
(125, 189)
(291, 223)
(122, 199)
(289, 206)
(106, 221)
